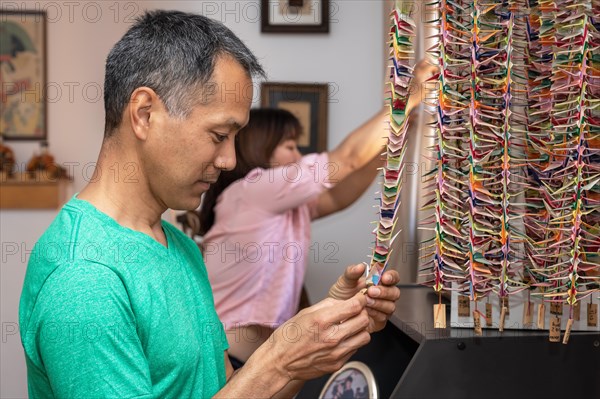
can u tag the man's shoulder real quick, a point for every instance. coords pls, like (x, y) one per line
(80, 237)
(72, 214)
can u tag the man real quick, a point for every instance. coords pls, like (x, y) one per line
(126, 309)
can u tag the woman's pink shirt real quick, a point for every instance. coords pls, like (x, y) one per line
(256, 252)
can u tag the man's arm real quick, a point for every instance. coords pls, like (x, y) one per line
(289, 391)
(317, 341)
(84, 328)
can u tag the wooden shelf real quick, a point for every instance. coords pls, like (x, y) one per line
(38, 192)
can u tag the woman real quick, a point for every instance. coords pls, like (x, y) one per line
(256, 219)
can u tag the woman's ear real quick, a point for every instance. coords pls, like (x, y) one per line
(142, 103)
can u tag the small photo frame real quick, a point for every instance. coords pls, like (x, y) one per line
(23, 110)
(353, 381)
(295, 16)
(308, 103)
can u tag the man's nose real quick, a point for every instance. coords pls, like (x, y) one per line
(226, 158)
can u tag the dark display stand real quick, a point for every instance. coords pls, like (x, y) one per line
(411, 359)
(503, 367)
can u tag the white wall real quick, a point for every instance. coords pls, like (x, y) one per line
(80, 35)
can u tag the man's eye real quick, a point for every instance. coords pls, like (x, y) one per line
(220, 137)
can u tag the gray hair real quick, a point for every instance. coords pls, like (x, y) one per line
(174, 54)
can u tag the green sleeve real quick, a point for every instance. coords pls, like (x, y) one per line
(224, 342)
(86, 335)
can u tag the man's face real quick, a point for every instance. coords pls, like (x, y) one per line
(184, 156)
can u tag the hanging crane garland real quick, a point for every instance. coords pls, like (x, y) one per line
(515, 190)
(401, 58)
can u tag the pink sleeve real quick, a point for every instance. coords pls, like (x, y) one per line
(280, 189)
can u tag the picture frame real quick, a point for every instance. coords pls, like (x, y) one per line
(295, 16)
(308, 102)
(353, 381)
(23, 53)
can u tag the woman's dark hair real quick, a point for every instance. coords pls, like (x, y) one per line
(254, 146)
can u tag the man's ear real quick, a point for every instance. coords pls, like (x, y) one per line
(143, 102)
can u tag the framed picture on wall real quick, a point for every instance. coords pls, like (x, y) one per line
(23, 113)
(355, 380)
(308, 102)
(295, 16)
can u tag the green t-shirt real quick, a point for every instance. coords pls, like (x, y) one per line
(108, 312)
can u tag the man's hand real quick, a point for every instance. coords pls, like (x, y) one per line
(315, 342)
(319, 339)
(380, 299)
